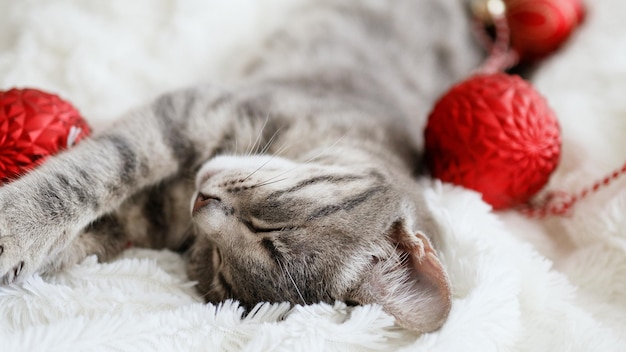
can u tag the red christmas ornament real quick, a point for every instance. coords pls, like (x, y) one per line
(33, 126)
(539, 27)
(495, 134)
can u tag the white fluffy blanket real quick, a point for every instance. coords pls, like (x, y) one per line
(519, 284)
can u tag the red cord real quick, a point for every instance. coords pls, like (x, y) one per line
(561, 203)
(501, 56)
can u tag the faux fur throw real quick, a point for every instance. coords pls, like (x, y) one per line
(520, 284)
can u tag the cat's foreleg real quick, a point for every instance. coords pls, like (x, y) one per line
(105, 238)
(43, 212)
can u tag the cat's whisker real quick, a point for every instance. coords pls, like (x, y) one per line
(268, 161)
(257, 169)
(278, 152)
(322, 152)
(249, 147)
(281, 150)
(261, 184)
(267, 117)
(325, 150)
(284, 270)
(282, 173)
(254, 147)
(271, 140)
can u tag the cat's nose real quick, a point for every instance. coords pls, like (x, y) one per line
(202, 200)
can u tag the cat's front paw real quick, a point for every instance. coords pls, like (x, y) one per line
(23, 247)
(11, 260)
(30, 235)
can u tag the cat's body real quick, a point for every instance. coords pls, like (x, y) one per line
(308, 194)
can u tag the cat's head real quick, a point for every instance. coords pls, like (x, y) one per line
(273, 230)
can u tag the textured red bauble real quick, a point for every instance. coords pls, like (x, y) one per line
(539, 27)
(494, 134)
(33, 126)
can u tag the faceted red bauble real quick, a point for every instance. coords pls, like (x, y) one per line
(494, 134)
(34, 125)
(538, 27)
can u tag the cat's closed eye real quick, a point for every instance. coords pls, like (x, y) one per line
(257, 228)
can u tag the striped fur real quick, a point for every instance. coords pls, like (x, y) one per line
(300, 167)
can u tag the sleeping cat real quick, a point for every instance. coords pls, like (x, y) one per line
(293, 181)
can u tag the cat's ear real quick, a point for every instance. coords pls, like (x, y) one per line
(413, 285)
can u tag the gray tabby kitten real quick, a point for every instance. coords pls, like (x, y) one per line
(294, 182)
